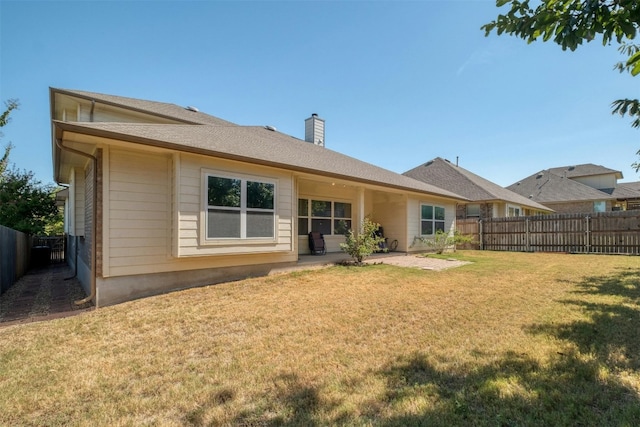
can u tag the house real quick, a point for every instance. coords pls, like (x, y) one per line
(162, 197)
(485, 198)
(579, 189)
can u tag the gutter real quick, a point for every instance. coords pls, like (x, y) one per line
(94, 213)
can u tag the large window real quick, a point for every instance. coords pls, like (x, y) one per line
(239, 208)
(327, 217)
(431, 219)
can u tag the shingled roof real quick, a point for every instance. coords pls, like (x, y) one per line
(254, 144)
(547, 187)
(587, 169)
(159, 109)
(442, 173)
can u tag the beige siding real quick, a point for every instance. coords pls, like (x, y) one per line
(139, 210)
(598, 181)
(191, 202)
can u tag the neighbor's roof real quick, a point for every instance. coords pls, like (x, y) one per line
(160, 109)
(634, 186)
(442, 173)
(547, 187)
(587, 169)
(625, 190)
(253, 144)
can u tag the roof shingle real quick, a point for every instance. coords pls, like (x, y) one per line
(444, 174)
(255, 144)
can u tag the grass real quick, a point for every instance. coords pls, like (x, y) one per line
(512, 339)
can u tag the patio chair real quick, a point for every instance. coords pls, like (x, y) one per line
(316, 243)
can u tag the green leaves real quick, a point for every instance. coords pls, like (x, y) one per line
(568, 23)
(634, 64)
(629, 107)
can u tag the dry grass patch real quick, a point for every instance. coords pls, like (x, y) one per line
(514, 339)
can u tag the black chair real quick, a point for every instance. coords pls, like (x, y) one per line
(316, 243)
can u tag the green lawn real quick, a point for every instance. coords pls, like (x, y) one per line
(511, 339)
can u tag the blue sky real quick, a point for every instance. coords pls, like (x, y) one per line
(398, 83)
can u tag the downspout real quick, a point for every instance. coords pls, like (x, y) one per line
(93, 107)
(94, 214)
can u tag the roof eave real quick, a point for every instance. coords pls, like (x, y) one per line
(101, 133)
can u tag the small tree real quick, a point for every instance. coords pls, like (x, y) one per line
(442, 241)
(361, 245)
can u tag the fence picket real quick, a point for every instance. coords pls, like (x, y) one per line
(603, 232)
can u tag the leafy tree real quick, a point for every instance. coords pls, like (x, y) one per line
(25, 204)
(569, 23)
(363, 244)
(11, 105)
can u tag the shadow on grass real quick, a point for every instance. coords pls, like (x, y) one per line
(290, 403)
(611, 333)
(591, 385)
(513, 391)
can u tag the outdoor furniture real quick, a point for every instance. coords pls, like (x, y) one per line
(316, 243)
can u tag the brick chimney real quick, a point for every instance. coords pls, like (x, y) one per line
(314, 130)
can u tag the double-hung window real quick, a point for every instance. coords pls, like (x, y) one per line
(431, 219)
(240, 208)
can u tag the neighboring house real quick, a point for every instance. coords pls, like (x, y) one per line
(486, 199)
(579, 189)
(162, 197)
(632, 192)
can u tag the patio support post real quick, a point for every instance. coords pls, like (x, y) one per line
(361, 213)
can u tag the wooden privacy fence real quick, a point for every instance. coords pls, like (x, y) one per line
(602, 233)
(14, 256)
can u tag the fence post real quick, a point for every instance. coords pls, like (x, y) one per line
(526, 224)
(480, 234)
(588, 232)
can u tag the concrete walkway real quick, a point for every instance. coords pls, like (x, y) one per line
(42, 294)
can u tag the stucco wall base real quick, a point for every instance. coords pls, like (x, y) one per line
(115, 290)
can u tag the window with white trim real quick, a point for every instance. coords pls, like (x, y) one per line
(327, 217)
(240, 208)
(513, 211)
(431, 219)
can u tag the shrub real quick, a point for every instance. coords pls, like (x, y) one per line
(364, 243)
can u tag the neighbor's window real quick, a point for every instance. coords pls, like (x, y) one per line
(473, 210)
(327, 217)
(431, 219)
(239, 208)
(600, 206)
(513, 211)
